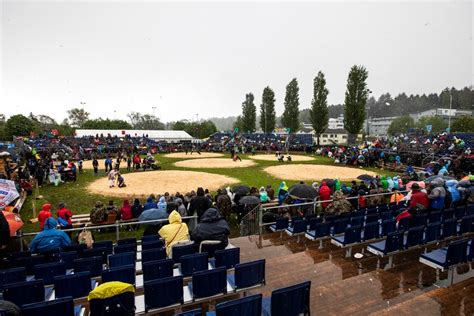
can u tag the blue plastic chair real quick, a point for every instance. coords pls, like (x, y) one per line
(29, 263)
(448, 214)
(371, 231)
(209, 283)
(62, 306)
(432, 232)
(181, 250)
(79, 248)
(414, 237)
(154, 270)
(25, 292)
(96, 252)
(68, 258)
(340, 226)
(351, 236)
(107, 244)
(93, 265)
(449, 228)
(12, 275)
(289, 301)
(372, 218)
(314, 221)
(280, 225)
(153, 254)
(194, 312)
(393, 243)
(163, 292)
(419, 220)
(466, 225)
(248, 274)
(18, 254)
(149, 238)
(193, 263)
(122, 259)
(227, 258)
(127, 241)
(74, 285)
(48, 271)
(388, 227)
(357, 221)
(125, 248)
(434, 217)
(443, 258)
(124, 274)
(248, 306)
(157, 244)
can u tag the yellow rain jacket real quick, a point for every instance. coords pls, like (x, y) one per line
(175, 231)
(110, 289)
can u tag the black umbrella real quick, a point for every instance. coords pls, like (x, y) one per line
(302, 191)
(241, 190)
(249, 200)
(329, 182)
(365, 177)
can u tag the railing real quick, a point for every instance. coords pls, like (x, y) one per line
(252, 222)
(116, 226)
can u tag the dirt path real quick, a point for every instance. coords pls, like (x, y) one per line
(214, 163)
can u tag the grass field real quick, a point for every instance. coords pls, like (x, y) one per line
(80, 201)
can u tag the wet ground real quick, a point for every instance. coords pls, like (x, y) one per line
(348, 286)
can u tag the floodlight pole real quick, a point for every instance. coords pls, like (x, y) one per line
(450, 106)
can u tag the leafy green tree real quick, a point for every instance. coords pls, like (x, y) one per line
(202, 129)
(3, 123)
(355, 101)
(319, 112)
(437, 123)
(145, 121)
(289, 118)
(207, 128)
(106, 124)
(267, 111)
(77, 116)
(19, 125)
(238, 123)
(249, 114)
(401, 125)
(463, 124)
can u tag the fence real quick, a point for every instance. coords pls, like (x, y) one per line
(252, 222)
(192, 220)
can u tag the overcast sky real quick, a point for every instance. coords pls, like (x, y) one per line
(203, 57)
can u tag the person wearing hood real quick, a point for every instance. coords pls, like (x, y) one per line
(150, 203)
(98, 214)
(324, 194)
(263, 195)
(162, 205)
(270, 192)
(137, 208)
(224, 203)
(384, 183)
(126, 210)
(199, 204)
(50, 238)
(180, 207)
(417, 197)
(212, 227)
(339, 205)
(437, 194)
(390, 183)
(282, 192)
(395, 183)
(44, 214)
(455, 196)
(175, 231)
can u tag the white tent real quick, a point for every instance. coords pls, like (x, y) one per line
(158, 135)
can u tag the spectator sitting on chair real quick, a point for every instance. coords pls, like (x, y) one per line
(111, 208)
(50, 238)
(126, 210)
(211, 227)
(44, 214)
(98, 214)
(175, 231)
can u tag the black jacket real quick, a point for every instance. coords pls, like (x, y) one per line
(199, 204)
(212, 227)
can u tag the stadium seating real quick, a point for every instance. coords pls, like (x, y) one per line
(277, 304)
(248, 306)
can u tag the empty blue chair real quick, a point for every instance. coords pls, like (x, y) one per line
(163, 292)
(357, 221)
(432, 233)
(388, 227)
(313, 221)
(62, 306)
(68, 258)
(470, 209)
(386, 215)
(227, 258)
(449, 228)
(371, 211)
(107, 244)
(25, 292)
(193, 263)
(247, 275)
(248, 306)
(127, 241)
(74, 285)
(289, 301)
(157, 244)
(434, 217)
(372, 218)
(47, 271)
(122, 259)
(124, 274)
(181, 250)
(298, 228)
(194, 312)
(382, 208)
(153, 254)
(414, 237)
(209, 283)
(419, 220)
(125, 248)
(154, 270)
(371, 231)
(329, 219)
(321, 231)
(470, 251)
(448, 214)
(340, 226)
(93, 265)
(29, 263)
(12, 275)
(96, 252)
(460, 212)
(149, 238)
(79, 248)
(404, 223)
(392, 243)
(466, 225)
(351, 236)
(280, 225)
(18, 254)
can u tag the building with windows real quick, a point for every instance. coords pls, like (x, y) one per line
(443, 113)
(168, 136)
(335, 137)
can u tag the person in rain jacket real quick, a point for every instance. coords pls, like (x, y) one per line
(324, 194)
(451, 186)
(175, 231)
(391, 184)
(137, 208)
(212, 227)
(437, 194)
(126, 210)
(44, 214)
(199, 204)
(50, 238)
(384, 183)
(150, 203)
(263, 195)
(162, 205)
(339, 205)
(282, 192)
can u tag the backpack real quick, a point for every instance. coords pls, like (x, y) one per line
(85, 237)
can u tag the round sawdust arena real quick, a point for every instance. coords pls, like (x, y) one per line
(274, 158)
(214, 163)
(142, 184)
(87, 164)
(315, 172)
(194, 155)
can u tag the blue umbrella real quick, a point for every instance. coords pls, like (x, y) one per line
(152, 214)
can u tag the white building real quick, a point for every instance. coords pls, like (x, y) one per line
(157, 135)
(336, 123)
(334, 137)
(441, 112)
(378, 126)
